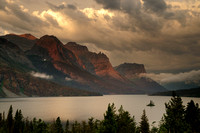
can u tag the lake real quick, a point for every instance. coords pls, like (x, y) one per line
(82, 108)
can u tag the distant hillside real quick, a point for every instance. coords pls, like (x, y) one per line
(193, 92)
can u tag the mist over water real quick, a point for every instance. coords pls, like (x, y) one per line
(82, 108)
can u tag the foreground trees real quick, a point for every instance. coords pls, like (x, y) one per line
(174, 117)
(177, 119)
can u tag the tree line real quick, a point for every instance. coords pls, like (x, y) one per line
(177, 119)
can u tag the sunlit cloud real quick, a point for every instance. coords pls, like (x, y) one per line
(68, 79)
(92, 13)
(41, 75)
(23, 8)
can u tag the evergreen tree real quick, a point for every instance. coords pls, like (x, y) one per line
(10, 120)
(125, 124)
(1, 117)
(91, 125)
(84, 127)
(192, 116)
(154, 129)
(144, 124)
(27, 126)
(39, 126)
(109, 122)
(59, 128)
(76, 127)
(174, 117)
(67, 127)
(18, 122)
(56, 127)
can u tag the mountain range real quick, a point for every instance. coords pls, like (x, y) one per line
(46, 67)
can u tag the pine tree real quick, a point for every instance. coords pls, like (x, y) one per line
(174, 120)
(144, 124)
(56, 127)
(192, 116)
(91, 126)
(67, 127)
(18, 122)
(76, 127)
(109, 122)
(125, 124)
(10, 119)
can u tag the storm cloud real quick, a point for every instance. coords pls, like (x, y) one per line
(164, 78)
(161, 34)
(156, 6)
(110, 4)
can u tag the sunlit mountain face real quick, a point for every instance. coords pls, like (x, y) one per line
(161, 34)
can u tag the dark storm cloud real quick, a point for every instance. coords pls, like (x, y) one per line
(70, 6)
(17, 11)
(70, 11)
(156, 6)
(110, 4)
(61, 7)
(128, 6)
(2, 5)
(139, 20)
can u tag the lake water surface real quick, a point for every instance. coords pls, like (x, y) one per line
(82, 108)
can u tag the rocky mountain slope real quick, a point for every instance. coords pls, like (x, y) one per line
(15, 76)
(12, 56)
(97, 64)
(24, 41)
(73, 65)
(88, 71)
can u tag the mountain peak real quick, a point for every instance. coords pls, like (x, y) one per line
(73, 46)
(28, 36)
(48, 41)
(49, 37)
(130, 69)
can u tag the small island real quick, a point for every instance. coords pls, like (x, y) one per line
(151, 103)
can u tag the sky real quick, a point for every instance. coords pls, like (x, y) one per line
(164, 35)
